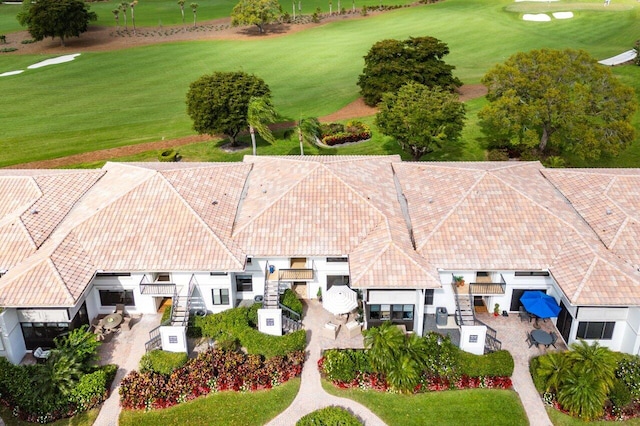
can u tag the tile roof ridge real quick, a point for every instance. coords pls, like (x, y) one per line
(238, 230)
(615, 203)
(585, 278)
(18, 211)
(451, 210)
(201, 220)
(619, 232)
(59, 276)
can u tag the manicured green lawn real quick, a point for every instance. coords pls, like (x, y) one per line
(157, 13)
(84, 419)
(137, 95)
(468, 407)
(225, 408)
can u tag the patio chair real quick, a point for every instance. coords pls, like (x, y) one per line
(330, 330)
(41, 355)
(353, 329)
(530, 340)
(126, 324)
(554, 339)
(119, 309)
(523, 314)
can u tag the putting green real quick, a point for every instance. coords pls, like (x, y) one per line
(108, 99)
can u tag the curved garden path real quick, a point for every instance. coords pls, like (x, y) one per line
(311, 395)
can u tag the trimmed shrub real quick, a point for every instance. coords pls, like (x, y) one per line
(329, 416)
(498, 363)
(168, 155)
(90, 391)
(344, 365)
(498, 155)
(336, 133)
(162, 362)
(236, 322)
(291, 301)
(620, 395)
(628, 372)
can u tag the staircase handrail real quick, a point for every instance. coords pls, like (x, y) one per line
(458, 314)
(296, 316)
(494, 343)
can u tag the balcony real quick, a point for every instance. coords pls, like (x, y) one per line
(295, 274)
(161, 286)
(485, 286)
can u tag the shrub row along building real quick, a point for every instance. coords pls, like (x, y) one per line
(74, 243)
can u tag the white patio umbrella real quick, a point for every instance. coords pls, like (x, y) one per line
(340, 299)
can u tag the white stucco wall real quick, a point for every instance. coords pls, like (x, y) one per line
(11, 334)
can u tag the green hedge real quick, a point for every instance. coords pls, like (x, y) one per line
(329, 416)
(237, 322)
(291, 301)
(162, 362)
(343, 364)
(498, 363)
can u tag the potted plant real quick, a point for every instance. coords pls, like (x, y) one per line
(319, 294)
(459, 280)
(496, 310)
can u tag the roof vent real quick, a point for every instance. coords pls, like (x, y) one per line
(264, 191)
(214, 202)
(34, 211)
(430, 200)
(609, 211)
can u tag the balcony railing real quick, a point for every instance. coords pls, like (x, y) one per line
(298, 274)
(480, 288)
(158, 288)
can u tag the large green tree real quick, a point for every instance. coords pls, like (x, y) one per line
(219, 102)
(56, 18)
(392, 63)
(420, 118)
(255, 12)
(557, 100)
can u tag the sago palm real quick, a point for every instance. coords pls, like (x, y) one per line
(582, 395)
(594, 360)
(552, 370)
(384, 344)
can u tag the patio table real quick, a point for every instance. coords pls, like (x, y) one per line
(111, 321)
(541, 337)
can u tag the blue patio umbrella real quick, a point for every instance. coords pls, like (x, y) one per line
(540, 304)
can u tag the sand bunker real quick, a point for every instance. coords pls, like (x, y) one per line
(5, 74)
(620, 59)
(54, 61)
(537, 17)
(562, 15)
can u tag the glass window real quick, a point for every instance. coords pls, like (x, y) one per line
(396, 312)
(40, 334)
(336, 259)
(385, 312)
(407, 312)
(428, 296)
(375, 311)
(595, 330)
(337, 280)
(244, 283)
(113, 297)
(220, 296)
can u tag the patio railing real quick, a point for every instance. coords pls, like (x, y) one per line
(155, 341)
(478, 288)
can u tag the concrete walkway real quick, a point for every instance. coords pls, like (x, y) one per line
(311, 396)
(125, 349)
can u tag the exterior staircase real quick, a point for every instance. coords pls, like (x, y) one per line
(291, 321)
(465, 316)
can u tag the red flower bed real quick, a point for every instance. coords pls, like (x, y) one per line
(212, 371)
(429, 384)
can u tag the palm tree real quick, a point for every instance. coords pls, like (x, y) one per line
(133, 18)
(181, 4)
(308, 130)
(384, 344)
(596, 361)
(552, 369)
(116, 15)
(260, 113)
(582, 396)
(194, 8)
(123, 7)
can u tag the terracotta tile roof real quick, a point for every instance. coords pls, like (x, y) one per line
(40, 286)
(59, 194)
(152, 228)
(15, 244)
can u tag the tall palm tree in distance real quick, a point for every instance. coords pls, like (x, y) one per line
(260, 113)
